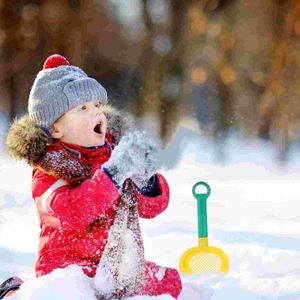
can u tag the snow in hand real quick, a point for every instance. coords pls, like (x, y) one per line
(253, 215)
(136, 157)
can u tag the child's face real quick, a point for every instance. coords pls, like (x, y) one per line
(84, 125)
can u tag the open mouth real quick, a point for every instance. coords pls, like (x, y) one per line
(98, 128)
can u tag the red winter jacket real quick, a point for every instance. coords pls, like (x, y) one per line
(75, 220)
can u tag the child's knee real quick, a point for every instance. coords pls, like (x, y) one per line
(161, 280)
(172, 279)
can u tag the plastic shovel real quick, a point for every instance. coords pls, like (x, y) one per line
(204, 258)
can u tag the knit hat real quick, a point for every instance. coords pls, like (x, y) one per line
(58, 88)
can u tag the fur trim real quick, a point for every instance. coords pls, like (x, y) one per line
(25, 140)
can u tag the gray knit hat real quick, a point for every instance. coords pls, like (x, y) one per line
(58, 88)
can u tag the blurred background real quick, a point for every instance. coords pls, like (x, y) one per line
(216, 67)
(217, 83)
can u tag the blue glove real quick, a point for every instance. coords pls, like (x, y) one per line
(151, 188)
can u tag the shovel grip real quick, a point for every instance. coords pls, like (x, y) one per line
(201, 207)
(206, 195)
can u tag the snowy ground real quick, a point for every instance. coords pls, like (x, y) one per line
(253, 215)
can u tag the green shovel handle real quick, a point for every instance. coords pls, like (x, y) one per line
(201, 205)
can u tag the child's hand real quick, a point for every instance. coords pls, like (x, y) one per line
(150, 168)
(135, 155)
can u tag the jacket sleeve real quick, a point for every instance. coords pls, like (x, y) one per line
(150, 207)
(75, 207)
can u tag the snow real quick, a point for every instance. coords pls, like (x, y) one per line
(140, 162)
(122, 263)
(253, 216)
(62, 284)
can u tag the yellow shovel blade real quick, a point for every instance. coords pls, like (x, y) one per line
(203, 259)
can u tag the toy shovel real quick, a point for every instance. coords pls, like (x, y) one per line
(204, 258)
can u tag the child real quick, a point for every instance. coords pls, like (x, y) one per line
(72, 140)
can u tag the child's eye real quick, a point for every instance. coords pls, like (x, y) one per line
(99, 104)
(83, 107)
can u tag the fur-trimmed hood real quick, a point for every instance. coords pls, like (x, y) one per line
(25, 140)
